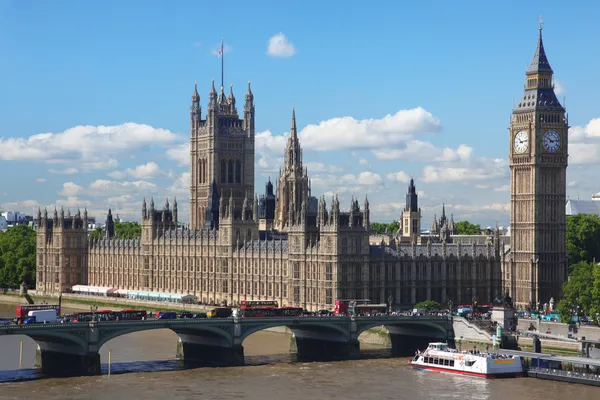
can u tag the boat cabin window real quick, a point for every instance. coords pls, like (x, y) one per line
(469, 363)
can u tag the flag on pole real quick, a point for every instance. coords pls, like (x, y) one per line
(220, 51)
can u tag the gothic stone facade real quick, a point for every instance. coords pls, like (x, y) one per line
(317, 254)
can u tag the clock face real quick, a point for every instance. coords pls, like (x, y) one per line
(551, 141)
(521, 142)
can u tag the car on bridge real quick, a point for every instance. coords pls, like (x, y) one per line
(5, 321)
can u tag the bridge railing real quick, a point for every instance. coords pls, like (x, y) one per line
(210, 321)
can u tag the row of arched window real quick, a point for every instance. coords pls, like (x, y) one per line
(202, 167)
(231, 171)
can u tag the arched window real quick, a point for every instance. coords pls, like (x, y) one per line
(238, 171)
(230, 171)
(199, 170)
(344, 246)
(223, 171)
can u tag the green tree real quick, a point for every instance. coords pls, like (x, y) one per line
(583, 238)
(17, 256)
(577, 291)
(382, 227)
(466, 228)
(96, 233)
(128, 230)
(428, 305)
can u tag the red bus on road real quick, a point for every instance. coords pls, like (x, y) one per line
(248, 304)
(22, 311)
(341, 306)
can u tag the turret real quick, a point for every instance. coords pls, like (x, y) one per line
(144, 211)
(109, 231)
(249, 112)
(212, 98)
(195, 108)
(244, 208)
(175, 211)
(366, 215)
(255, 209)
(231, 101)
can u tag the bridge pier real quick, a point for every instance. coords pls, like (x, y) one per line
(312, 349)
(202, 354)
(59, 364)
(406, 341)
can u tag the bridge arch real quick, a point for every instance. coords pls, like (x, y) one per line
(429, 327)
(300, 327)
(210, 333)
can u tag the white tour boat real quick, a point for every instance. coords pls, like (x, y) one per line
(440, 358)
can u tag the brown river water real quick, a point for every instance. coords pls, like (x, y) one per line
(144, 367)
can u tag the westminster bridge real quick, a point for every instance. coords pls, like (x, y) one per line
(71, 349)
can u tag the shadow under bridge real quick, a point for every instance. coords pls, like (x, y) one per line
(410, 334)
(314, 338)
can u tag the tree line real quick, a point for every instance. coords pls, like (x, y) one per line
(460, 228)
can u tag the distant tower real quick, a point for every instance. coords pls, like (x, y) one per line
(266, 208)
(221, 151)
(538, 165)
(411, 215)
(293, 187)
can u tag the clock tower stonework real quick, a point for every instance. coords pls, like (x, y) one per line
(536, 267)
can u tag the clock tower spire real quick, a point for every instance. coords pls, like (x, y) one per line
(537, 266)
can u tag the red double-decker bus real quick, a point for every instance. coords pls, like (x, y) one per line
(22, 311)
(341, 306)
(249, 304)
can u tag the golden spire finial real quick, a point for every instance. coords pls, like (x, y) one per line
(541, 22)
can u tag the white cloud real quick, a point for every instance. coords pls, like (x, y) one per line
(364, 178)
(363, 161)
(482, 186)
(88, 146)
(472, 209)
(399, 176)
(558, 88)
(102, 187)
(66, 171)
(117, 175)
(315, 166)
(584, 146)
(180, 153)
(347, 133)
(470, 170)
(503, 188)
(145, 171)
(267, 142)
(181, 186)
(40, 180)
(70, 189)
(280, 46)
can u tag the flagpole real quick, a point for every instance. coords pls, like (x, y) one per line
(222, 60)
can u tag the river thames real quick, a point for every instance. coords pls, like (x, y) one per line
(144, 366)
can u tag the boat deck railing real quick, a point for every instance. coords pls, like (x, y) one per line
(560, 372)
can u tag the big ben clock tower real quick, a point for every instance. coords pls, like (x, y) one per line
(537, 266)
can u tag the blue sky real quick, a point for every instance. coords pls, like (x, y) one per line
(109, 85)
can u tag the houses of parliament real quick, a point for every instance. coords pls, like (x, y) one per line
(308, 251)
